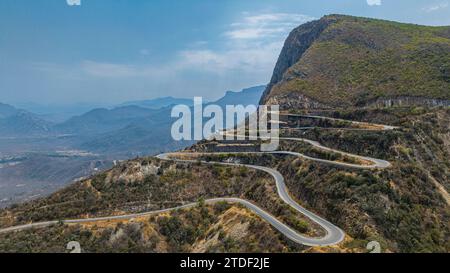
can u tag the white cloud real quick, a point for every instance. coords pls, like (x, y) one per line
(374, 2)
(248, 60)
(251, 46)
(266, 25)
(73, 2)
(253, 33)
(257, 60)
(436, 7)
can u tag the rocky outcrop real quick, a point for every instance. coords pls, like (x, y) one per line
(298, 42)
(295, 101)
(344, 61)
(407, 101)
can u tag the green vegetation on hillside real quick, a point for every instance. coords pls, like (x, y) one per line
(357, 60)
(218, 228)
(402, 207)
(149, 184)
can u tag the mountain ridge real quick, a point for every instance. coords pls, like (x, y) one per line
(354, 61)
(158, 103)
(15, 122)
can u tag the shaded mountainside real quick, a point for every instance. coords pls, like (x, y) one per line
(158, 103)
(135, 139)
(104, 120)
(16, 122)
(245, 97)
(6, 110)
(341, 61)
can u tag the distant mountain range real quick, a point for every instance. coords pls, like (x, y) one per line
(158, 103)
(16, 122)
(58, 113)
(133, 128)
(247, 96)
(7, 110)
(38, 156)
(103, 120)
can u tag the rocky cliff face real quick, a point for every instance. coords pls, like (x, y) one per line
(299, 40)
(294, 101)
(408, 101)
(343, 61)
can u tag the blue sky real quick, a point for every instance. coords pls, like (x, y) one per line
(110, 51)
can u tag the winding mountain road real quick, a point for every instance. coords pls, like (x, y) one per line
(379, 127)
(334, 234)
(376, 163)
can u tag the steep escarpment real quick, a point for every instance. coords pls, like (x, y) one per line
(341, 61)
(298, 42)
